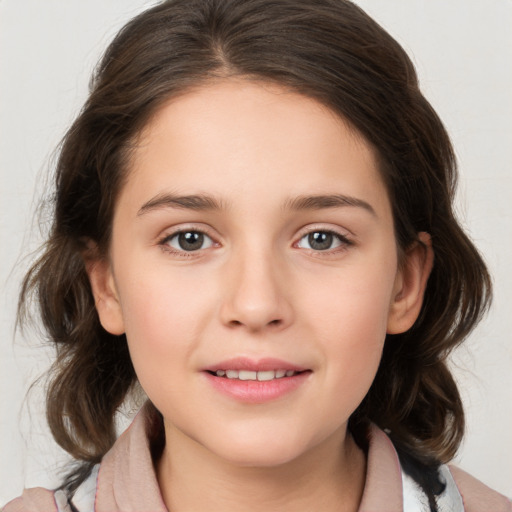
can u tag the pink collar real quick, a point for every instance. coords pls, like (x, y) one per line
(127, 480)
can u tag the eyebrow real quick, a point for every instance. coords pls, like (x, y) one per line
(198, 202)
(319, 202)
(203, 202)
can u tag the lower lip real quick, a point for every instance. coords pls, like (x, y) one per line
(255, 391)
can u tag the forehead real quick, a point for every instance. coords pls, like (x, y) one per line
(251, 141)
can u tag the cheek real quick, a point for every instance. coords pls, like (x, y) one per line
(354, 301)
(157, 297)
(349, 315)
(354, 347)
(163, 314)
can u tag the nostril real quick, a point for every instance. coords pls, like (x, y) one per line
(237, 323)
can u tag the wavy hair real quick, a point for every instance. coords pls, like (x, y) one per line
(331, 51)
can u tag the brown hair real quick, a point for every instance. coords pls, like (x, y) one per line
(329, 50)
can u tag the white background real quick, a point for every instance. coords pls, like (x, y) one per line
(463, 51)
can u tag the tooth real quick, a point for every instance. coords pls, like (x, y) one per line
(253, 375)
(246, 375)
(268, 375)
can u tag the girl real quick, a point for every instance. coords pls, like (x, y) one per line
(253, 223)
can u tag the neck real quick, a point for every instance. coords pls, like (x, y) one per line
(329, 477)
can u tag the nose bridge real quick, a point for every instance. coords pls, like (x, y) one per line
(255, 296)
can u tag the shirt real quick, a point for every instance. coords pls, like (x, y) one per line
(125, 481)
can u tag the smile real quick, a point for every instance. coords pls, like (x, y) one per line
(256, 381)
(265, 375)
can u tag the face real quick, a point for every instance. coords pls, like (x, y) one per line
(253, 267)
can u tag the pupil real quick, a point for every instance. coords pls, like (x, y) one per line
(191, 240)
(320, 240)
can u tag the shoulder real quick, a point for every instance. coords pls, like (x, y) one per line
(124, 480)
(476, 496)
(389, 488)
(44, 500)
(33, 500)
(462, 493)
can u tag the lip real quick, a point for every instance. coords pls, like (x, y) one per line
(245, 363)
(254, 391)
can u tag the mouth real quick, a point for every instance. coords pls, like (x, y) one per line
(261, 375)
(260, 381)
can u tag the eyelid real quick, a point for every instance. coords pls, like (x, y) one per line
(328, 228)
(171, 232)
(346, 238)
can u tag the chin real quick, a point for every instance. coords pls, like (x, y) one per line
(265, 452)
(259, 459)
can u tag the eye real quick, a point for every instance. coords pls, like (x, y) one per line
(188, 241)
(322, 241)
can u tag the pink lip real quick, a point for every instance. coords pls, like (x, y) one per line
(254, 391)
(244, 363)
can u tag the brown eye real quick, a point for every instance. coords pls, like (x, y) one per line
(322, 241)
(189, 241)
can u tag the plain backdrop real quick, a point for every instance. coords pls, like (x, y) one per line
(463, 52)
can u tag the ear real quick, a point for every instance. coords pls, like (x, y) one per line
(410, 285)
(104, 290)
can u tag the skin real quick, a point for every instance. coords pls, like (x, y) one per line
(256, 288)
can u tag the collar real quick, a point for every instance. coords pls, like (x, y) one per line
(127, 481)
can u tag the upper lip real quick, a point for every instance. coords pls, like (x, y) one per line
(255, 365)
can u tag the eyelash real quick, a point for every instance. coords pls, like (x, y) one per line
(164, 243)
(344, 242)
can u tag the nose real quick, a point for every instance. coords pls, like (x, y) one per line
(257, 293)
